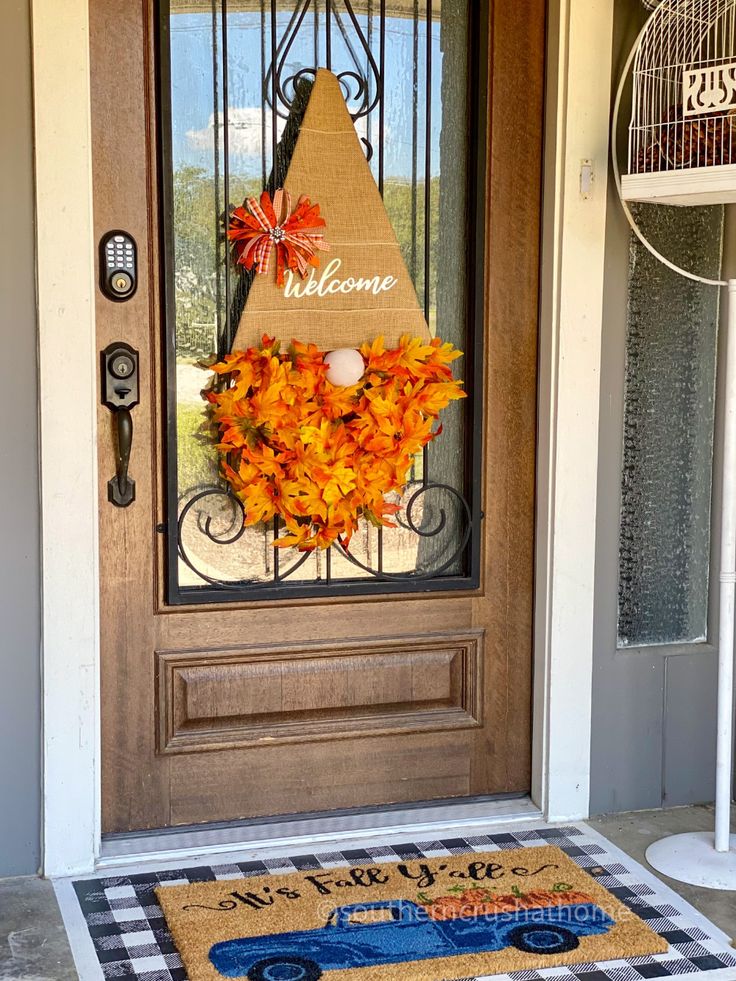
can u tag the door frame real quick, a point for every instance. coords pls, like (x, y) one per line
(578, 88)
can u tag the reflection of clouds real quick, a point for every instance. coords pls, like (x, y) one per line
(245, 131)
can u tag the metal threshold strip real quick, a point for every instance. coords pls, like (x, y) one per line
(304, 831)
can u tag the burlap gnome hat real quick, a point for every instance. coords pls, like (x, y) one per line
(329, 166)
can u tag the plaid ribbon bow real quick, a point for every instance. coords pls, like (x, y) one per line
(258, 228)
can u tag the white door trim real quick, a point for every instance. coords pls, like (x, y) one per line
(68, 401)
(579, 56)
(568, 436)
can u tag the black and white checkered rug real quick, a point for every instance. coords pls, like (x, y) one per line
(129, 937)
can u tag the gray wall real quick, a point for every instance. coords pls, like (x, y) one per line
(654, 708)
(20, 688)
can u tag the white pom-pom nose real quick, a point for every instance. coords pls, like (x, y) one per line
(345, 366)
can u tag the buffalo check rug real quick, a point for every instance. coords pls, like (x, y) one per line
(117, 927)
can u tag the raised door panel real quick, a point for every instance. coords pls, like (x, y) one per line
(249, 696)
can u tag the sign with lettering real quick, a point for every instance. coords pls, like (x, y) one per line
(333, 273)
(709, 90)
(327, 283)
(453, 916)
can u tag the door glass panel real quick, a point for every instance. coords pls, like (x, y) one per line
(235, 80)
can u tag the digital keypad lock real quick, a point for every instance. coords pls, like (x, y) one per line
(118, 265)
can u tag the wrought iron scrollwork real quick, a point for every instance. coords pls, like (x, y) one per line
(362, 84)
(355, 88)
(205, 524)
(228, 527)
(409, 522)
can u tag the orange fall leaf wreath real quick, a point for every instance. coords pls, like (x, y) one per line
(322, 456)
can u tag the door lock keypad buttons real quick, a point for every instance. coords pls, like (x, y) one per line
(118, 265)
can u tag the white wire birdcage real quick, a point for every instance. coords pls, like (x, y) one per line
(682, 137)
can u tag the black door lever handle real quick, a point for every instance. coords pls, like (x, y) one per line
(121, 488)
(120, 395)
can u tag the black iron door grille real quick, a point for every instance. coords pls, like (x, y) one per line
(436, 201)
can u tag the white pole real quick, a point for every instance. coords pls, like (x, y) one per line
(692, 857)
(724, 750)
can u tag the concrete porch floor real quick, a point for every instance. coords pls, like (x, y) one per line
(33, 943)
(634, 833)
(34, 947)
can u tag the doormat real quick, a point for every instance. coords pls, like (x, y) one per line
(417, 920)
(117, 927)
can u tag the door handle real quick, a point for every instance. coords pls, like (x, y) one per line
(121, 488)
(120, 394)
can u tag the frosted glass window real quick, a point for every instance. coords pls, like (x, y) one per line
(672, 327)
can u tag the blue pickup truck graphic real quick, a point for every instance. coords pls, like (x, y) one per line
(393, 931)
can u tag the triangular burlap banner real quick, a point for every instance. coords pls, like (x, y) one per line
(330, 167)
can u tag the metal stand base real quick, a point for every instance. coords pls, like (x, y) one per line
(692, 858)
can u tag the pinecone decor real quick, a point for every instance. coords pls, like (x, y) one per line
(680, 144)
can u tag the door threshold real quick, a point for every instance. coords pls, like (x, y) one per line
(307, 830)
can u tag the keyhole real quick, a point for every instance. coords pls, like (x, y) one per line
(122, 366)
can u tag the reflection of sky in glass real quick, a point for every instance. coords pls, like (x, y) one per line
(204, 307)
(193, 112)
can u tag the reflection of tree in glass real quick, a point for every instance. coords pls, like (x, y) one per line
(196, 231)
(397, 197)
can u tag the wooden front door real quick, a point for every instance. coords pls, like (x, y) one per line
(239, 680)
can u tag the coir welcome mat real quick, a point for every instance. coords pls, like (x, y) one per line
(463, 915)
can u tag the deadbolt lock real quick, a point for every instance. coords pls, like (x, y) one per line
(121, 365)
(121, 283)
(119, 376)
